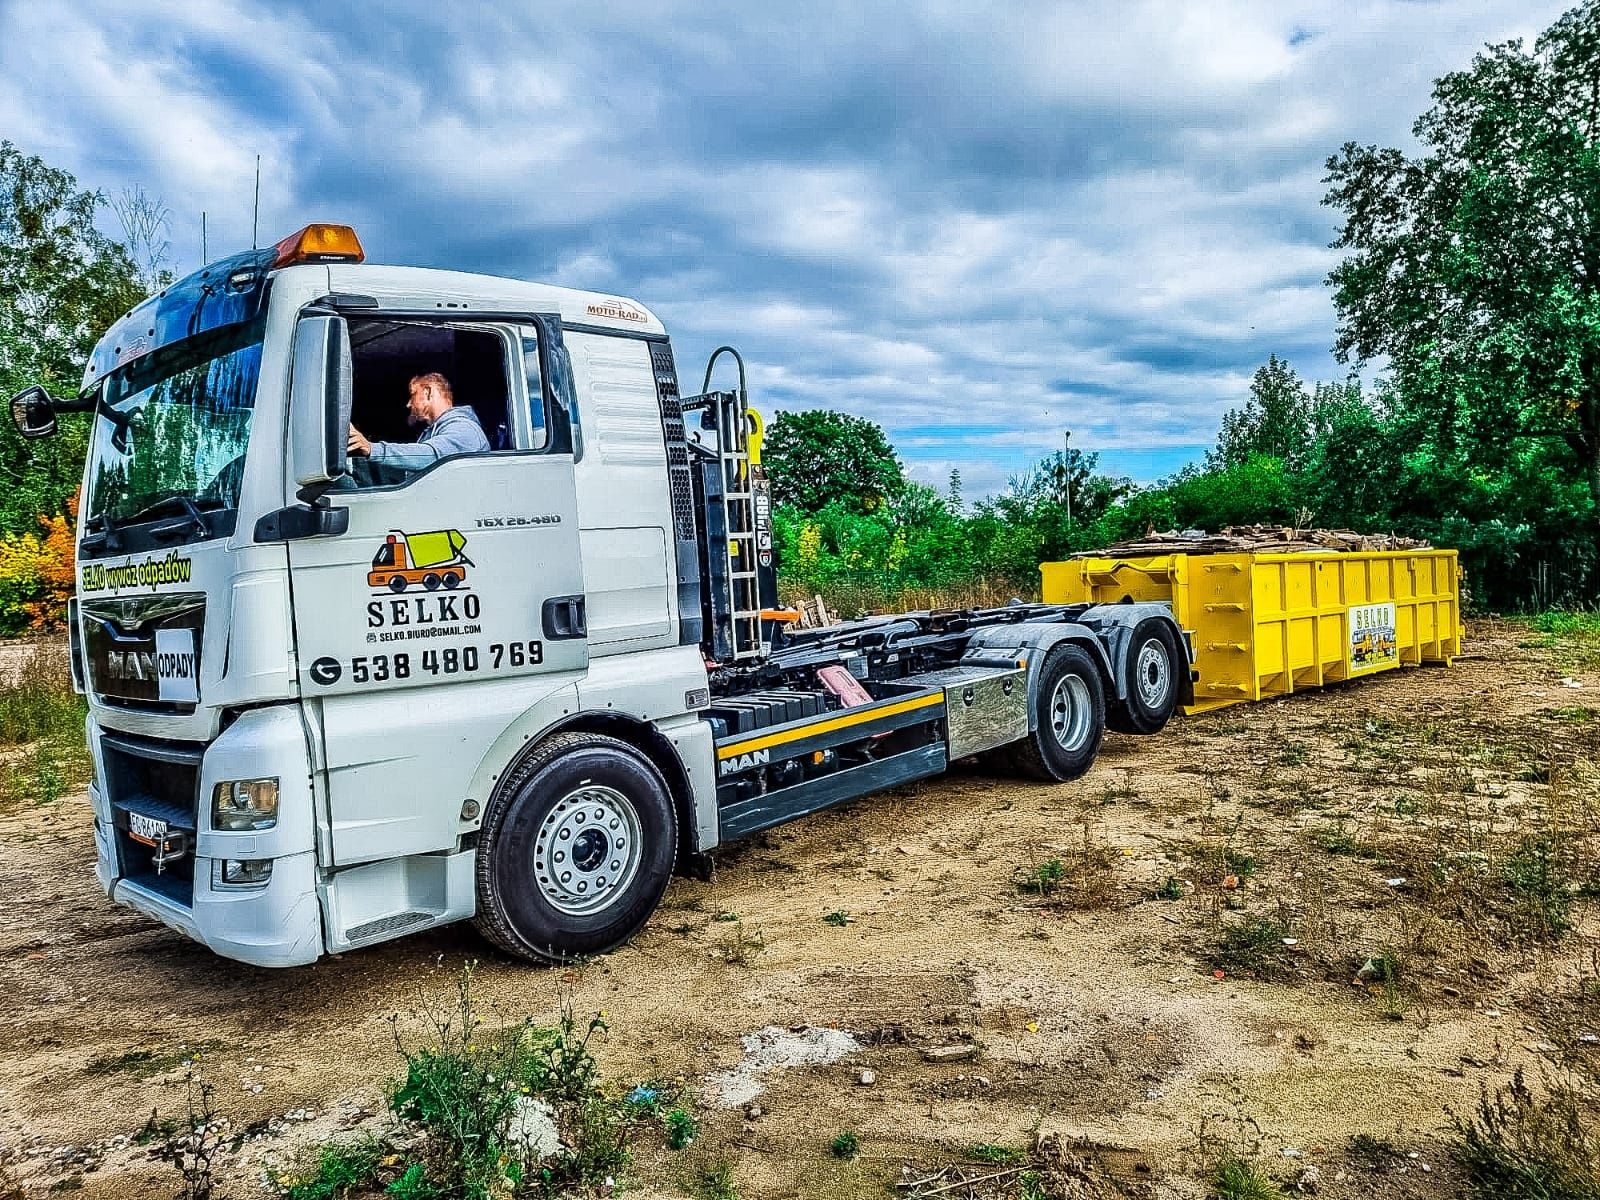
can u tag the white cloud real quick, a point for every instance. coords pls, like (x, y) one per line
(975, 225)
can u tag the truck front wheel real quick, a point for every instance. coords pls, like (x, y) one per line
(575, 850)
(1069, 719)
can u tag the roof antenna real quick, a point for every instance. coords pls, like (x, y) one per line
(204, 257)
(255, 217)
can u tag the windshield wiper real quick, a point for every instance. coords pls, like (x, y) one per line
(193, 518)
(103, 535)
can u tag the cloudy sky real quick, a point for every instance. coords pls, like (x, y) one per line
(977, 224)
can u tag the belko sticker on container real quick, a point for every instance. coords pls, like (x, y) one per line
(1372, 640)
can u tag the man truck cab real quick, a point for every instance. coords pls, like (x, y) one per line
(332, 703)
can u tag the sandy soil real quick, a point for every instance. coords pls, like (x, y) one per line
(1099, 1015)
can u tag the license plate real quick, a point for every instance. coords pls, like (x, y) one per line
(149, 830)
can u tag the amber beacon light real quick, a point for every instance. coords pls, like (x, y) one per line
(320, 244)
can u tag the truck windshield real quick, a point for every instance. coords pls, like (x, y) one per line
(173, 427)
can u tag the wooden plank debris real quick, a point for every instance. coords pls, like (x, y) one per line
(1245, 539)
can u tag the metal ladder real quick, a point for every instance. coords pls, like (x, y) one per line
(738, 513)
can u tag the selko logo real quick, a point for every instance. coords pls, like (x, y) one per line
(429, 560)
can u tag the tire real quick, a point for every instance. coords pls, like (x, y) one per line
(1066, 736)
(1151, 679)
(545, 809)
(450, 580)
(397, 583)
(431, 582)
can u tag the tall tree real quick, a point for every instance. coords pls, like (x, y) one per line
(1474, 265)
(816, 457)
(1274, 421)
(62, 282)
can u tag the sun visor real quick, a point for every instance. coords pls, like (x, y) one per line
(229, 291)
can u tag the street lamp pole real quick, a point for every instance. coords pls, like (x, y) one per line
(1066, 471)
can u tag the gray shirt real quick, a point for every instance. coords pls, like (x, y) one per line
(456, 431)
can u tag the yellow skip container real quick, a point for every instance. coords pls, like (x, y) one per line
(1266, 624)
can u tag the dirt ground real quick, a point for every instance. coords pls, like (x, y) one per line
(1125, 1014)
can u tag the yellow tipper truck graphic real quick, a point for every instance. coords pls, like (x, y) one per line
(432, 559)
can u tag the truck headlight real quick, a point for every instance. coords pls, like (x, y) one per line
(243, 805)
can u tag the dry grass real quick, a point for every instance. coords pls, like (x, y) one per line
(42, 752)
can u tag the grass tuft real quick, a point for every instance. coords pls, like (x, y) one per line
(1519, 1146)
(1235, 1178)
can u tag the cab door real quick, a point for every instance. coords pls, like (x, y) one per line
(454, 599)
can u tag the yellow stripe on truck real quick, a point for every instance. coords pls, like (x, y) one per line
(843, 721)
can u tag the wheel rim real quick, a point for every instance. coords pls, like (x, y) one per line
(1069, 712)
(587, 850)
(1153, 673)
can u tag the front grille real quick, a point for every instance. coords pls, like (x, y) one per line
(155, 780)
(121, 639)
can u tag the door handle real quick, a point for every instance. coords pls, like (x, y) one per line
(564, 617)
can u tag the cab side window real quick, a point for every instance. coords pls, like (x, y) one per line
(423, 392)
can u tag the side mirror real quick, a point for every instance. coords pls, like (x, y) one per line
(319, 400)
(33, 412)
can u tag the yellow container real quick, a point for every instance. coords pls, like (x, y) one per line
(1267, 624)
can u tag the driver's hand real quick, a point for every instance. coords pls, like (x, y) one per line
(357, 442)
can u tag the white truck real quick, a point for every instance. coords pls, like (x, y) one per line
(333, 703)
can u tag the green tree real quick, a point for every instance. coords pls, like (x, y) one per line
(62, 282)
(1274, 421)
(814, 458)
(1474, 265)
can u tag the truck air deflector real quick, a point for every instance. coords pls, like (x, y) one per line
(229, 291)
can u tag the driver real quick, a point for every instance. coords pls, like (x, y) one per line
(446, 428)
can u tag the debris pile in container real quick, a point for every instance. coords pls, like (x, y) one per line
(1245, 539)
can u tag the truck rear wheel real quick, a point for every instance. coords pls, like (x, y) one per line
(575, 851)
(1069, 719)
(1150, 677)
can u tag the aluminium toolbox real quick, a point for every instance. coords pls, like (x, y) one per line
(1266, 624)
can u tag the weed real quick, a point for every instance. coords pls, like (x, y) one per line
(738, 948)
(1337, 839)
(1294, 754)
(1517, 1146)
(1215, 858)
(726, 917)
(1381, 974)
(1000, 1156)
(845, 1145)
(1042, 879)
(839, 918)
(1544, 896)
(1170, 889)
(412, 1184)
(1252, 947)
(1031, 1186)
(713, 1181)
(193, 1141)
(681, 1128)
(1579, 715)
(340, 1170)
(1235, 1178)
(1084, 877)
(473, 1092)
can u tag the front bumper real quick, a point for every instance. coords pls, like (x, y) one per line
(275, 924)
